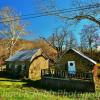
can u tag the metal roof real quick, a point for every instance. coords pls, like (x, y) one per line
(22, 55)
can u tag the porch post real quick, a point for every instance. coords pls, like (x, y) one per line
(95, 72)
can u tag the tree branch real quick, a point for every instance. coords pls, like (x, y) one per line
(91, 18)
(80, 17)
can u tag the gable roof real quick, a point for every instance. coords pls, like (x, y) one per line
(37, 54)
(84, 56)
(22, 55)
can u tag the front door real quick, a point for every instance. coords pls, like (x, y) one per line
(71, 67)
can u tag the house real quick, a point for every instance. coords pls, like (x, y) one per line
(74, 61)
(28, 63)
(73, 72)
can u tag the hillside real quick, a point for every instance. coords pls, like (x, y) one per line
(25, 44)
(41, 43)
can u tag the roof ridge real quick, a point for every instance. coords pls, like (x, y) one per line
(80, 53)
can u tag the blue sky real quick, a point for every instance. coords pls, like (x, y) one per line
(41, 26)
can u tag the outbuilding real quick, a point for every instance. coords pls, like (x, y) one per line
(74, 61)
(28, 63)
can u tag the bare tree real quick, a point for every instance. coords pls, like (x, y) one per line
(12, 28)
(83, 44)
(57, 39)
(71, 41)
(63, 40)
(89, 35)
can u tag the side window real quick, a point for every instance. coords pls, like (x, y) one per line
(16, 66)
(23, 67)
(9, 65)
(19, 68)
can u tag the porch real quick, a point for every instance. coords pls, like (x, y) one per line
(60, 79)
(51, 73)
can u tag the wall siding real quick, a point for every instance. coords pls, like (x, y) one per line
(17, 72)
(81, 63)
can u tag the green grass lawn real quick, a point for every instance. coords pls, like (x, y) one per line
(11, 89)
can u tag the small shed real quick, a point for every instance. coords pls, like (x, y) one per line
(27, 63)
(74, 61)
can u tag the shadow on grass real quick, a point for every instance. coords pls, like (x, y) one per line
(31, 83)
(39, 85)
(8, 77)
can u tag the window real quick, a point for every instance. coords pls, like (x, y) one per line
(10, 65)
(23, 67)
(71, 64)
(71, 67)
(16, 66)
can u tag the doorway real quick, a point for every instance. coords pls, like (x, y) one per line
(71, 67)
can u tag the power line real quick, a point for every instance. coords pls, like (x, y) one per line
(31, 16)
(63, 10)
(68, 10)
